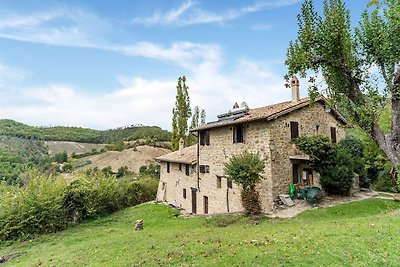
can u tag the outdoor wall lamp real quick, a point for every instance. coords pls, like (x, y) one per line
(271, 144)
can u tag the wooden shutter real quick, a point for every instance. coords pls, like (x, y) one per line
(294, 129)
(333, 135)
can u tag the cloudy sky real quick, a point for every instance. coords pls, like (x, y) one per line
(105, 64)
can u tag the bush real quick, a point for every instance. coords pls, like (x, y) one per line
(50, 204)
(245, 170)
(37, 208)
(335, 163)
(385, 182)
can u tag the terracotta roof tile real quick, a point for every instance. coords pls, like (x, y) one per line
(189, 156)
(269, 113)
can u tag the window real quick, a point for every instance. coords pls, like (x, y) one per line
(184, 193)
(205, 204)
(229, 183)
(204, 169)
(238, 133)
(187, 169)
(168, 167)
(205, 138)
(317, 128)
(219, 180)
(333, 134)
(294, 130)
(180, 166)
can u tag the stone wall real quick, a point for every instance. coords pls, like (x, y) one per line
(170, 188)
(220, 150)
(308, 119)
(270, 139)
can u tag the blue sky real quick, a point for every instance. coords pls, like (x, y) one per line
(104, 64)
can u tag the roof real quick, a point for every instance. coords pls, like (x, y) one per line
(270, 112)
(189, 156)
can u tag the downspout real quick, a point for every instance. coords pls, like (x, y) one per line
(198, 159)
(227, 199)
(198, 162)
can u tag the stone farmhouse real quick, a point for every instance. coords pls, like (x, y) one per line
(193, 178)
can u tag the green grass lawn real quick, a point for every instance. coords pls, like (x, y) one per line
(364, 233)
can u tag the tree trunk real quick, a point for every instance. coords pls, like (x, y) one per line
(390, 143)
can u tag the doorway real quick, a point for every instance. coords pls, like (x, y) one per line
(194, 201)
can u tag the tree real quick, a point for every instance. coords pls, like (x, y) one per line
(203, 117)
(347, 59)
(245, 170)
(180, 113)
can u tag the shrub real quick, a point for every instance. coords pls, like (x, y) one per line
(46, 205)
(36, 208)
(386, 182)
(245, 170)
(336, 164)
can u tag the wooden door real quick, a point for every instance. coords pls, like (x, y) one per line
(194, 201)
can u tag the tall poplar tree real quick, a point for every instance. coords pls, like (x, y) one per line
(180, 114)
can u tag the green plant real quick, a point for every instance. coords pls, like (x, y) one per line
(245, 170)
(335, 163)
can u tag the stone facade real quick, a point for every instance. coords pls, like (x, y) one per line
(208, 189)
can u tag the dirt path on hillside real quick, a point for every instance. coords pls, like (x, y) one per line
(302, 205)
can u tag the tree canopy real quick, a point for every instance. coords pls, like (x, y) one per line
(359, 65)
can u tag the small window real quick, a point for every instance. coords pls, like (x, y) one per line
(219, 180)
(204, 138)
(294, 130)
(333, 135)
(229, 183)
(184, 193)
(187, 169)
(204, 169)
(238, 133)
(168, 167)
(317, 128)
(180, 166)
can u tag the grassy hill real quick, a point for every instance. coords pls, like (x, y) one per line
(132, 158)
(78, 134)
(364, 233)
(55, 147)
(23, 147)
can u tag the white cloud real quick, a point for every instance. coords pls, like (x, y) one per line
(189, 13)
(59, 26)
(9, 73)
(150, 101)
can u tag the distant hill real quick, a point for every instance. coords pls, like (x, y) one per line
(23, 147)
(133, 158)
(55, 147)
(83, 135)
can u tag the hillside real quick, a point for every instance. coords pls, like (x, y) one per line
(362, 233)
(84, 135)
(134, 159)
(55, 147)
(23, 147)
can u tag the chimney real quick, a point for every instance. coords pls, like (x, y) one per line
(295, 84)
(181, 146)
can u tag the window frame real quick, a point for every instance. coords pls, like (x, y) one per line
(294, 130)
(238, 133)
(204, 137)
